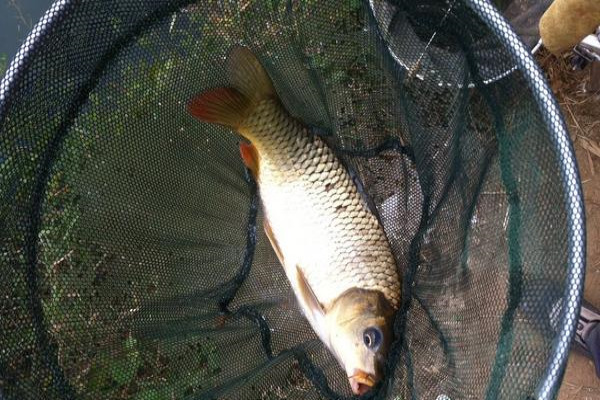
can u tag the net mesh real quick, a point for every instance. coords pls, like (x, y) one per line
(524, 17)
(133, 257)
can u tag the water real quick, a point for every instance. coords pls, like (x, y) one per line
(17, 18)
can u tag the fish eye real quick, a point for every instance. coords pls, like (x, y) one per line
(372, 337)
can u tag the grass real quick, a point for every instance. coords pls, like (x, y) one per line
(3, 64)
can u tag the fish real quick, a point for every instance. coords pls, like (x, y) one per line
(328, 239)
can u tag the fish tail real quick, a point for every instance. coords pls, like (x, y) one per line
(230, 106)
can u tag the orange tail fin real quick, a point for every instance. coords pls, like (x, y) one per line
(225, 106)
(231, 105)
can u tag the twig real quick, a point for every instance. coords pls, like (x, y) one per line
(592, 125)
(590, 162)
(494, 193)
(569, 100)
(244, 6)
(60, 260)
(172, 23)
(576, 392)
(20, 16)
(574, 119)
(593, 203)
(590, 146)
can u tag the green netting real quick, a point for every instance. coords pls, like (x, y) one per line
(134, 263)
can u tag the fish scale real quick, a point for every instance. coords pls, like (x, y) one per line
(320, 198)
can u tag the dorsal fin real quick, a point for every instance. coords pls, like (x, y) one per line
(248, 76)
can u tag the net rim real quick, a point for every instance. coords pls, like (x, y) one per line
(403, 64)
(573, 197)
(34, 40)
(18, 66)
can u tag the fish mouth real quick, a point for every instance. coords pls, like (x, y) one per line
(361, 382)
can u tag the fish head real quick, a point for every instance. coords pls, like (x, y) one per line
(360, 332)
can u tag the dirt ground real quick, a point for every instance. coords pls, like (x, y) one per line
(581, 109)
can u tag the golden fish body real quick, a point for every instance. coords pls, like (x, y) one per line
(316, 212)
(332, 247)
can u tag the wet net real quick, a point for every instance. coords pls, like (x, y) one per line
(133, 258)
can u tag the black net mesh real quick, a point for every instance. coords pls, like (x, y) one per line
(133, 257)
(524, 17)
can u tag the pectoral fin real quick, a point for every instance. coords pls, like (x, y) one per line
(311, 307)
(308, 295)
(273, 241)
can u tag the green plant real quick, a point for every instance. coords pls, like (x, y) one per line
(3, 63)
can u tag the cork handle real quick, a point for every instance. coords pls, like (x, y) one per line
(567, 22)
